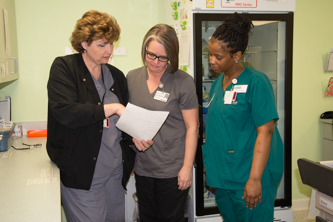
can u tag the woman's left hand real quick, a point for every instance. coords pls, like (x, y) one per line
(185, 178)
(142, 145)
(252, 193)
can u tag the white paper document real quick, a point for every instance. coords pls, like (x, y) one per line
(329, 62)
(328, 163)
(313, 211)
(141, 123)
(184, 47)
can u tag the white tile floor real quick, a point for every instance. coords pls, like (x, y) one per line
(300, 216)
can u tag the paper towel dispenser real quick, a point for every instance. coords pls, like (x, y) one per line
(5, 109)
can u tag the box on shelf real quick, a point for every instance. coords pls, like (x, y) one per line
(6, 139)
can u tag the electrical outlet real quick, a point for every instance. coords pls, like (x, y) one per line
(119, 51)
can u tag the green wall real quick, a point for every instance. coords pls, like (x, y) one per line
(313, 37)
(44, 28)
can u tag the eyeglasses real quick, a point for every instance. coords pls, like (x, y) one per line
(153, 57)
(30, 147)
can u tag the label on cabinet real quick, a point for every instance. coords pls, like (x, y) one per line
(325, 203)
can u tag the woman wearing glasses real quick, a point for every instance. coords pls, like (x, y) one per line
(163, 171)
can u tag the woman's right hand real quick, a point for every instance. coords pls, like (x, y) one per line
(113, 108)
(142, 145)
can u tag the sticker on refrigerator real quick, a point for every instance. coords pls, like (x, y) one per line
(209, 3)
(239, 3)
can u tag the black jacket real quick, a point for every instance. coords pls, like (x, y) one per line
(75, 118)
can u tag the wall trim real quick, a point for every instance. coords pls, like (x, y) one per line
(301, 204)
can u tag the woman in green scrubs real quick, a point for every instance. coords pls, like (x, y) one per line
(243, 154)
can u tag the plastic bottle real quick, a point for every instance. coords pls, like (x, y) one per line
(205, 95)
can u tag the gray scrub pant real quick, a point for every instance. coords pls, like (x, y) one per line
(105, 201)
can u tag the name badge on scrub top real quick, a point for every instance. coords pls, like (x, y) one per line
(240, 88)
(161, 96)
(230, 97)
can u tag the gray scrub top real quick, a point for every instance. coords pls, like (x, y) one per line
(110, 156)
(165, 157)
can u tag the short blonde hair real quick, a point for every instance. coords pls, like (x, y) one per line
(165, 35)
(92, 26)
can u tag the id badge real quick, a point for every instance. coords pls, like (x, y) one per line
(161, 96)
(230, 97)
(240, 88)
(106, 123)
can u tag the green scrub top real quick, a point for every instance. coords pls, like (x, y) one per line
(231, 132)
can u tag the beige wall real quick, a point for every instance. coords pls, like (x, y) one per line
(44, 28)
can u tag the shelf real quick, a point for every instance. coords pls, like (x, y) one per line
(208, 80)
(247, 52)
(256, 52)
(209, 202)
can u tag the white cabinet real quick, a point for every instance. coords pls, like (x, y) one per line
(8, 42)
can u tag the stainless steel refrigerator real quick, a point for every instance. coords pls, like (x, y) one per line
(270, 51)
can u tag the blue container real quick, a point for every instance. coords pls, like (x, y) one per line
(204, 106)
(7, 139)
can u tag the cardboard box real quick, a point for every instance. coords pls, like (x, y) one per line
(6, 139)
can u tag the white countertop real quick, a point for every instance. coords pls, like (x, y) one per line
(29, 184)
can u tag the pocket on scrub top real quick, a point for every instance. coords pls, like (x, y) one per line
(239, 164)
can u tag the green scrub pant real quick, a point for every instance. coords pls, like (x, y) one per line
(232, 206)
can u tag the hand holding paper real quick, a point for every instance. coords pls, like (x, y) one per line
(141, 123)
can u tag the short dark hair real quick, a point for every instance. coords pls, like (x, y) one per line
(165, 35)
(92, 26)
(235, 32)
